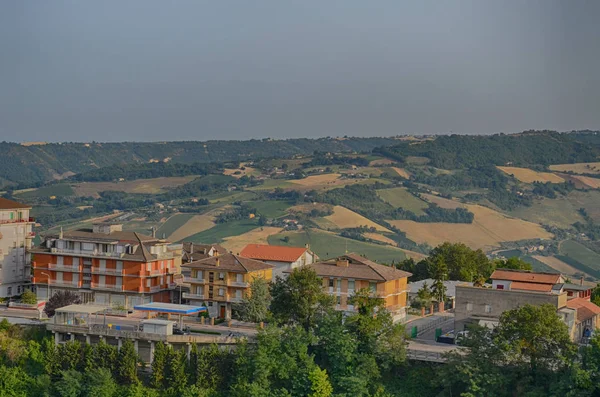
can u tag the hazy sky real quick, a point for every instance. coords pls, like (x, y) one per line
(114, 70)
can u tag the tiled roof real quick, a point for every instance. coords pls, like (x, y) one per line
(358, 268)
(525, 276)
(277, 253)
(200, 251)
(576, 287)
(585, 309)
(228, 262)
(517, 285)
(6, 204)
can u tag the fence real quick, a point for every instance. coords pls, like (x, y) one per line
(433, 324)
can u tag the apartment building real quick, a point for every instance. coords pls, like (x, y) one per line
(220, 281)
(107, 266)
(16, 235)
(283, 258)
(349, 273)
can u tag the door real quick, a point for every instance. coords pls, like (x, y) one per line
(222, 312)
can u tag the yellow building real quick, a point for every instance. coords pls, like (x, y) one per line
(221, 280)
(349, 273)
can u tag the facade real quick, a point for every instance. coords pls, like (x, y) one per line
(106, 266)
(586, 320)
(16, 236)
(219, 281)
(283, 258)
(351, 272)
(523, 280)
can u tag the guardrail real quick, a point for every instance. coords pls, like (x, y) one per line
(422, 355)
(193, 280)
(186, 295)
(429, 326)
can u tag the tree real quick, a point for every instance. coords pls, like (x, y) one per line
(319, 383)
(127, 363)
(99, 383)
(175, 379)
(298, 298)
(61, 299)
(424, 297)
(255, 306)
(513, 263)
(463, 263)
(159, 364)
(70, 384)
(29, 298)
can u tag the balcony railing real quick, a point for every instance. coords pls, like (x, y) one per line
(238, 284)
(158, 272)
(110, 272)
(107, 287)
(155, 288)
(194, 280)
(87, 253)
(172, 285)
(24, 220)
(187, 295)
(61, 283)
(234, 299)
(63, 268)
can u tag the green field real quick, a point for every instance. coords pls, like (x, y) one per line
(580, 257)
(399, 197)
(172, 224)
(271, 184)
(59, 190)
(217, 233)
(328, 245)
(271, 208)
(538, 266)
(230, 197)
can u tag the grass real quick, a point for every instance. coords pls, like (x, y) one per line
(529, 176)
(230, 197)
(538, 266)
(399, 197)
(173, 223)
(271, 184)
(329, 245)
(271, 208)
(59, 190)
(220, 231)
(580, 257)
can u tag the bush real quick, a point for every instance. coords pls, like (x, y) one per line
(29, 298)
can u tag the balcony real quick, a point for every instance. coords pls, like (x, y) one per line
(172, 285)
(194, 280)
(241, 284)
(107, 287)
(63, 268)
(235, 300)
(154, 273)
(108, 272)
(187, 295)
(24, 220)
(87, 253)
(155, 288)
(61, 283)
(171, 270)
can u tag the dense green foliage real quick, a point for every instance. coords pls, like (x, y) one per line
(528, 148)
(145, 171)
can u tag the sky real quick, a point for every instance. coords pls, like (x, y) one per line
(155, 70)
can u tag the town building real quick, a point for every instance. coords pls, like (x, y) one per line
(16, 234)
(345, 275)
(106, 265)
(514, 288)
(194, 252)
(283, 258)
(219, 281)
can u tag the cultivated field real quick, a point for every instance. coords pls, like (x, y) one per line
(487, 231)
(580, 253)
(558, 265)
(381, 162)
(194, 225)
(529, 176)
(399, 197)
(271, 208)
(443, 202)
(149, 186)
(380, 238)
(307, 208)
(247, 171)
(402, 172)
(578, 168)
(221, 231)
(344, 218)
(259, 235)
(317, 180)
(172, 224)
(59, 190)
(593, 183)
(329, 245)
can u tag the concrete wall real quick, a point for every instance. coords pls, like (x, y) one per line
(15, 262)
(473, 303)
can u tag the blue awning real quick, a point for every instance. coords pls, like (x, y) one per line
(172, 308)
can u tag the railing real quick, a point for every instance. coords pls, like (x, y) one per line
(433, 324)
(194, 280)
(63, 268)
(24, 220)
(112, 272)
(155, 288)
(187, 295)
(107, 287)
(87, 253)
(235, 300)
(172, 285)
(156, 272)
(422, 355)
(63, 283)
(238, 284)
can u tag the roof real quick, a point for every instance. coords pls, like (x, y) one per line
(6, 204)
(358, 268)
(517, 285)
(85, 309)
(265, 252)
(196, 252)
(585, 309)
(449, 284)
(526, 276)
(169, 308)
(228, 262)
(576, 287)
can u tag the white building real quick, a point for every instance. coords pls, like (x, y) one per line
(16, 234)
(283, 258)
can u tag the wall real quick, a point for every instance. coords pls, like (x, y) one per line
(497, 302)
(14, 259)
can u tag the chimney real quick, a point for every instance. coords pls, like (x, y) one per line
(342, 263)
(153, 232)
(191, 248)
(217, 261)
(60, 235)
(581, 281)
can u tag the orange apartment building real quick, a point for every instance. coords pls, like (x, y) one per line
(107, 266)
(219, 281)
(351, 272)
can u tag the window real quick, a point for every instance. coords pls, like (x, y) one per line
(148, 267)
(338, 300)
(469, 307)
(75, 262)
(162, 280)
(331, 282)
(221, 291)
(9, 289)
(221, 276)
(499, 286)
(339, 284)
(60, 260)
(210, 304)
(373, 287)
(87, 246)
(148, 282)
(102, 263)
(350, 285)
(238, 293)
(239, 278)
(488, 308)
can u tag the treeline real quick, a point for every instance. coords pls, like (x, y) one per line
(435, 213)
(326, 159)
(146, 171)
(476, 177)
(28, 166)
(524, 149)
(550, 189)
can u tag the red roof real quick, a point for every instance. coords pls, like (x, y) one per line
(277, 253)
(6, 204)
(526, 277)
(585, 309)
